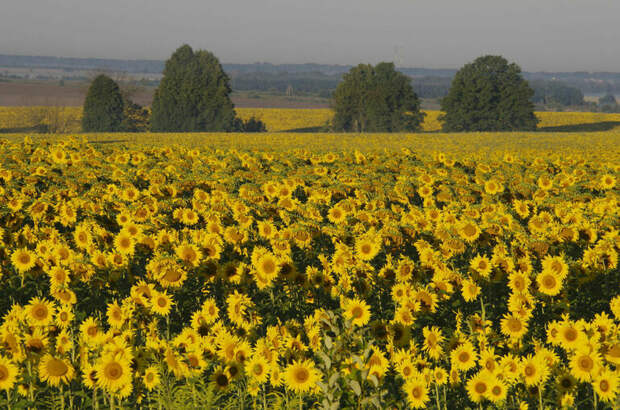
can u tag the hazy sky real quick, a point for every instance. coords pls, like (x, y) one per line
(550, 35)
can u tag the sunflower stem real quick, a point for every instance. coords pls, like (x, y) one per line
(30, 389)
(437, 397)
(62, 396)
(483, 312)
(595, 399)
(193, 383)
(168, 327)
(540, 401)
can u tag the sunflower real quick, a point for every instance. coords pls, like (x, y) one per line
(175, 363)
(555, 265)
(470, 290)
(189, 217)
(570, 336)
(266, 229)
(584, 364)
(513, 326)
(58, 276)
(189, 253)
(301, 376)
(210, 311)
(40, 312)
(8, 373)
(518, 282)
(498, 391)
(220, 379)
(37, 341)
(432, 342)
(607, 181)
(357, 311)
(113, 373)
(469, 231)
(23, 260)
(161, 303)
(64, 342)
(426, 299)
(492, 187)
(549, 283)
(82, 237)
(534, 370)
(417, 392)
(482, 265)
(124, 243)
(566, 383)
(115, 315)
(196, 362)
(606, 385)
(257, 368)
(91, 332)
(366, 248)
(267, 267)
(407, 369)
(54, 370)
(478, 386)
(151, 378)
(464, 357)
(336, 215)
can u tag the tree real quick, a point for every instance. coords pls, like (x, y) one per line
(135, 117)
(556, 93)
(193, 95)
(489, 95)
(607, 99)
(376, 99)
(253, 125)
(103, 107)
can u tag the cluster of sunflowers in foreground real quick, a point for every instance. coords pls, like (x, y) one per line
(168, 276)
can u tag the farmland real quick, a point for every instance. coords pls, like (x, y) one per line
(296, 270)
(67, 119)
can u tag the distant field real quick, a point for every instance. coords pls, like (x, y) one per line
(46, 93)
(67, 119)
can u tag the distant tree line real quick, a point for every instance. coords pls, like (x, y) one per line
(488, 94)
(556, 93)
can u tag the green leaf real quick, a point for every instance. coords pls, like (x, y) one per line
(328, 342)
(355, 386)
(333, 379)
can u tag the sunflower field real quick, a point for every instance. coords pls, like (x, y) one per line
(68, 119)
(310, 271)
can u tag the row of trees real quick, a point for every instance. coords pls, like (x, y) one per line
(193, 95)
(488, 94)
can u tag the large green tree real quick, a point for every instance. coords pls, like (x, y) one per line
(489, 94)
(376, 99)
(103, 107)
(193, 95)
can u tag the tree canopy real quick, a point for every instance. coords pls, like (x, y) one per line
(607, 99)
(489, 94)
(103, 106)
(193, 95)
(376, 99)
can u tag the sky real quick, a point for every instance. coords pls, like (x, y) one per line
(539, 35)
